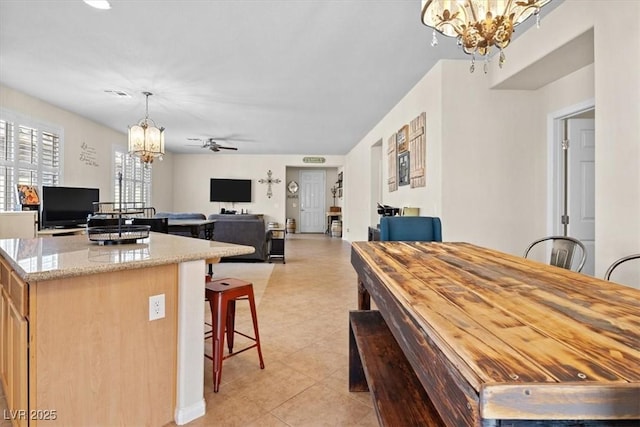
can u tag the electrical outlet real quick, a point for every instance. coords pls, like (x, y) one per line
(156, 307)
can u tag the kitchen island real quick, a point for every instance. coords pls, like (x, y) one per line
(76, 343)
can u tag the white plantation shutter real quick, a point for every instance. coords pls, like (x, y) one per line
(29, 154)
(6, 165)
(50, 159)
(136, 179)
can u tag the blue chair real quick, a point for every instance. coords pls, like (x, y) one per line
(410, 228)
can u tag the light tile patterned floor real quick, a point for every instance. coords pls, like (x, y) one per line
(303, 320)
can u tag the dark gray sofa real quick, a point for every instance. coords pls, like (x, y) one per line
(247, 230)
(182, 215)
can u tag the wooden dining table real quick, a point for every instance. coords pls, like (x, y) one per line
(499, 340)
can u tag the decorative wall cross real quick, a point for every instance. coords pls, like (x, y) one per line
(269, 181)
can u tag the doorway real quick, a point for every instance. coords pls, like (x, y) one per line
(574, 179)
(376, 182)
(312, 201)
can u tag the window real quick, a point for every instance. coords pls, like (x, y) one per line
(30, 154)
(136, 179)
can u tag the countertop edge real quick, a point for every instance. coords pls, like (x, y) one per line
(224, 250)
(107, 268)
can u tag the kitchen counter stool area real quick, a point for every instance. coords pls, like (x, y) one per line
(147, 364)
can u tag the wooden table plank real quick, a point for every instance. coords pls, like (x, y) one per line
(568, 401)
(618, 338)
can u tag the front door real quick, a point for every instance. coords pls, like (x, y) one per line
(312, 201)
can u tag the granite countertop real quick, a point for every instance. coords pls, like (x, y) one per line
(49, 258)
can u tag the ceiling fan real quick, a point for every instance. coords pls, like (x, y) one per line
(211, 144)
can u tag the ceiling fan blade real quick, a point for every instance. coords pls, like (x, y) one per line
(227, 148)
(232, 137)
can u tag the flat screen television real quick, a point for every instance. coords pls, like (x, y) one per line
(230, 190)
(67, 207)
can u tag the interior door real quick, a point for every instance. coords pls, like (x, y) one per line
(581, 186)
(312, 201)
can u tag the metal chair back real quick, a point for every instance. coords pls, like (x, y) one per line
(562, 251)
(616, 263)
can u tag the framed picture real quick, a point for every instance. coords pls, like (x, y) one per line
(402, 139)
(27, 195)
(403, 168)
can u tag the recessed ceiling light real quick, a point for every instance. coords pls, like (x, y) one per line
(98, 4)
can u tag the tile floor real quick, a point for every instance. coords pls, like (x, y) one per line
(303, 320)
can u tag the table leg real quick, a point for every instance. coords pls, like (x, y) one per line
(357, 379)
(364, 299)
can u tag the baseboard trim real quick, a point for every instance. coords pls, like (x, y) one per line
(188, 414)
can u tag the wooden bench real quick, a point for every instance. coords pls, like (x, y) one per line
(377, 364)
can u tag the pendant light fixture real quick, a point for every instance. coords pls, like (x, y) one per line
(146, 140)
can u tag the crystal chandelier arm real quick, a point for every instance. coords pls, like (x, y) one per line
(472, 7)
(522, 11)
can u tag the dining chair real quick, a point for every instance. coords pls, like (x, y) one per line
(562, 251)
(409, 211)
(617, 262)
(410, 228)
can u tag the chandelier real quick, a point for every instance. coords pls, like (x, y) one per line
(146, 140)
(479, 24)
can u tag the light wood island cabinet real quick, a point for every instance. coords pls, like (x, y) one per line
(76, 343)
(14, 341)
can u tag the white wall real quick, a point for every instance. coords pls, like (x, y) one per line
(359, 205)
(180, 182)
(617, 98)
(488, 171)
(79, 130)
(487, 149)
(617, 67)
(192, 172)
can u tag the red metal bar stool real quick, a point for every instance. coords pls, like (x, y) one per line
(222, 295)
